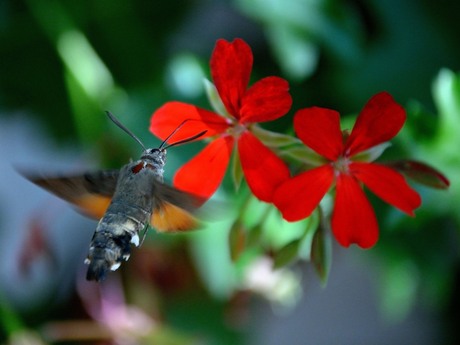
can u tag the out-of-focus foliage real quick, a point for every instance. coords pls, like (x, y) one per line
(421, 254)
(63, 63)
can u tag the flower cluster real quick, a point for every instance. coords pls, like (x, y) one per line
(345, 160)
(346, 164)
(266, 100)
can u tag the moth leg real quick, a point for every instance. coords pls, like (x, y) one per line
(144, 235)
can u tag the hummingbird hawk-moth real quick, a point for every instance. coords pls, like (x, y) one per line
(127, 201)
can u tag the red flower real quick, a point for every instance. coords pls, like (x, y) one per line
(353, 219)
(267, 99)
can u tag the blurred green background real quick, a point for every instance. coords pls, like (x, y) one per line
(63, 63)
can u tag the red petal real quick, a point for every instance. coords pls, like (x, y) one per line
(231, 65)
(388, 185)
(263, 170)
(353, 219)
(380, 120)
(168, 117)
(203, 174)
(266, 100)
(299, 196)
(319, 129)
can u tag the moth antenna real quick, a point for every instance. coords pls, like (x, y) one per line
(186, 140)
(172, 133)
(119, 124)
(162, 146)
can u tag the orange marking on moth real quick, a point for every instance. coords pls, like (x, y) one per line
(135, 169)
(170, 218)
(93, 205)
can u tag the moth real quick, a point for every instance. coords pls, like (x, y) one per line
(127, 201)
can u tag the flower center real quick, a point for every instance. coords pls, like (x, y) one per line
(236, 129)
(342, 165)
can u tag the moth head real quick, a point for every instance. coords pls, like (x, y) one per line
(156, 156)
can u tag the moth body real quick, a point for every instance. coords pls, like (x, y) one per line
(128, 214)
(126, 201)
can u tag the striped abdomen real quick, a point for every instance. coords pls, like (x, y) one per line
(128, 214)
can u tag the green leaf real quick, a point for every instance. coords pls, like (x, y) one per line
(311, 227)
(286, 254)
(237, 240)
(304, 155)
(236, 170)
(279, 232)
(88, 119)
(321, 253)
(273, 139)
(371, 154)
(446, 93)
(10, 320)
(422, 173)
(254, 211)
(214, 99)
(255, 235)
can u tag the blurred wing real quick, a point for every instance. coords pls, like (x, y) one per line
(171, 218)
(174, 210)
(90, 192)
